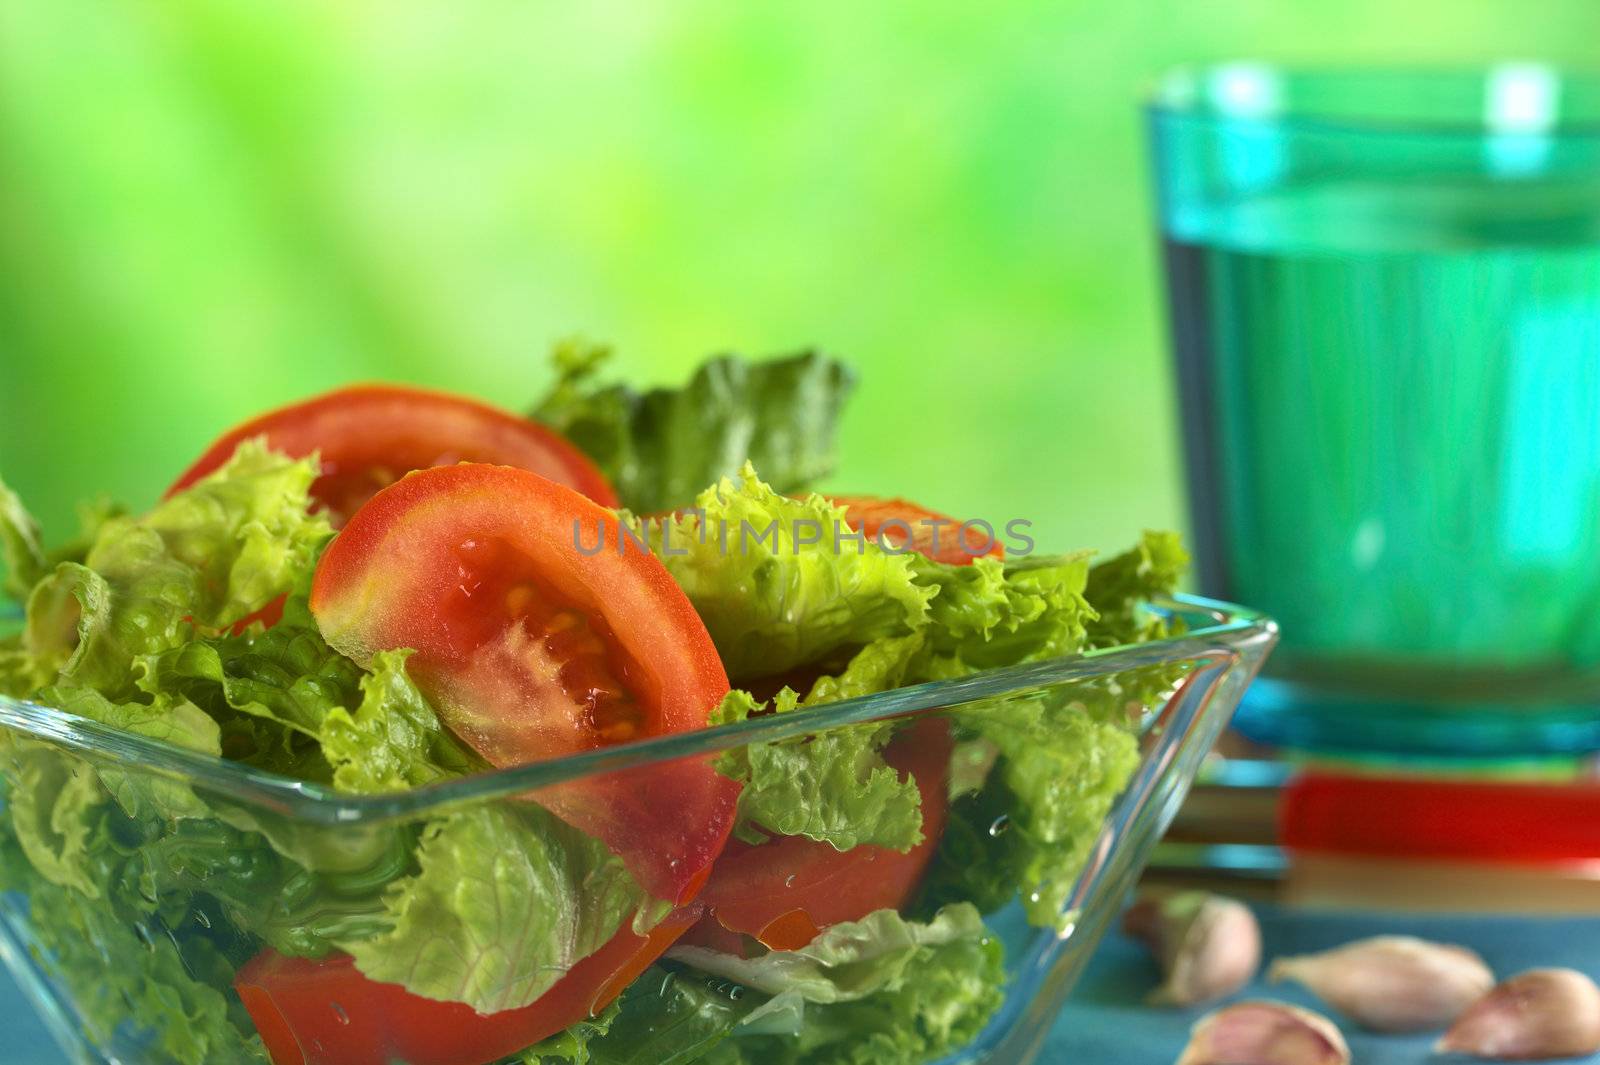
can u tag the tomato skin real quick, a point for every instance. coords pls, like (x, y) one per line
(783, 892)
(325, 1012)
(368, 435)
(869, 515)
(435, 562)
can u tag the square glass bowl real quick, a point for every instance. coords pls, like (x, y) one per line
(1170, 698)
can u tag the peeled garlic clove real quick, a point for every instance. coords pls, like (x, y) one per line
(1392, 983)
(1208, 946)
(1265, 1033)
(1542, 1013)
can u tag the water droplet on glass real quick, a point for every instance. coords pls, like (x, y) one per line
(202, 919)
(999, 825)
(338, 1011)
(788, 881)
(735, 993)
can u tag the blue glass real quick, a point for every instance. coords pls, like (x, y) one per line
(1385, 299)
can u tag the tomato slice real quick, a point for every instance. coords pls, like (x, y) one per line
(530, 649)
(324, 1012)
(783, 892)
(370, 435)
(955, 546)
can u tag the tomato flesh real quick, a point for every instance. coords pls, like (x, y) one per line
(783, 892)
(369, 436)
(325, 1012)
(530, 649)
(955, 546)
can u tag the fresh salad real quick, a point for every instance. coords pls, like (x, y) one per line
(386, 588)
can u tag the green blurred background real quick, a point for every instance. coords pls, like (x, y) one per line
(212, 206)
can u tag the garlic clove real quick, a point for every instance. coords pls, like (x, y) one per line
(1392, 983)
(1542, 1013)
(1207, 946)
(1265, 1033)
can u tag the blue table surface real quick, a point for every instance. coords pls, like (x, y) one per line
(1106, 1022)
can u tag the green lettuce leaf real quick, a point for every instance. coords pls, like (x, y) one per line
(392, 740)
(20, 547)
(834, 786)
(202, 560)
(296, 910)
(776, 605)
(991, 613)
(288, 702)
(772, 602)
(20, 675)
(848, 961)
(660, 448)
(55, 807)
(881, 991)
(130, 963)
(145, 793)
(1030, 828)
(506, 899)
(1120, 585)
(1043, 769)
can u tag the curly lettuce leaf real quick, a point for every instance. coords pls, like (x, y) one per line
(761, 571)
(145, 793)
(1119, 586)
(1043, 769)
(20, 547)
(131, 964)
(296, 910)
(848, 961)
(834, 786)
(901, 618)
(882, 990)
(505, 901)
(1030, 828)
(660, 448)
(288, 702)
(990, 613)
(200, 561)
(20, 675)
(55, 806)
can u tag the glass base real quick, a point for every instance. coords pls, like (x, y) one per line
(1294, 717)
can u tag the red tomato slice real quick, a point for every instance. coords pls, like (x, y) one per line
(370, 435)
(530, 649)
(956, 547)
(325, 1012)
(785, 891)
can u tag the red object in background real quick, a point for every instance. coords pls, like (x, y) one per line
(324, 1012)
(368, 436)
(1440, 819)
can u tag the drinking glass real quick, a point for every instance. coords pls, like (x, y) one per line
(1384, 292)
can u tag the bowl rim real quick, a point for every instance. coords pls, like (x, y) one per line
(1224, 630)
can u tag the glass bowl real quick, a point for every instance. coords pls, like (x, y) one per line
(70, 951)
